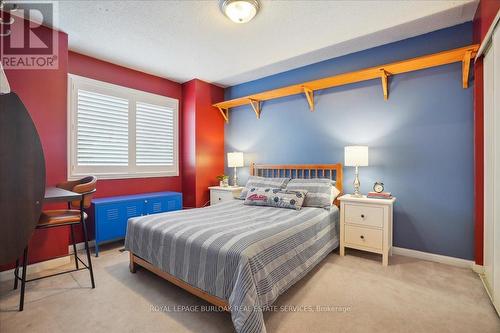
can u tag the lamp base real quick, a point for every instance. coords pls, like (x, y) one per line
(235, 178)
(356, 184)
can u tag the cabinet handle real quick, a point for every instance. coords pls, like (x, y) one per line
(362, 216)
(145, 201)
(362, 237)
(220, 199)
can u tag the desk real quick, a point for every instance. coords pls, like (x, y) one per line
(55, 194)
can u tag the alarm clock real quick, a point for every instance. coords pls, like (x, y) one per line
(378, 187)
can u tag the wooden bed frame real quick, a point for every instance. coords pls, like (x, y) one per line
(331, 171)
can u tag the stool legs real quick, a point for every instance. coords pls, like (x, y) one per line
(25, 263)
(23, 279)
(85, 235)
(16, 274)
(74, 245)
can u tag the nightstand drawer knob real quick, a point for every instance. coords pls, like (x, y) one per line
(362, 237)
(362, 216)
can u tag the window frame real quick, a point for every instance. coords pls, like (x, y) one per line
(133, 96)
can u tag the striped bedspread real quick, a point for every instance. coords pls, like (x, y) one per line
(247, 255)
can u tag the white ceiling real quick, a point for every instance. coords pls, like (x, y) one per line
(181, 40)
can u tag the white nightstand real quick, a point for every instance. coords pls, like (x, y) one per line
(220, 194)
(366, 224)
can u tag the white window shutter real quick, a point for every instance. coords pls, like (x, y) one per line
(116, 132)
(102, 130)
(154, 135)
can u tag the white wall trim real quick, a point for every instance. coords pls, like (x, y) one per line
(458, 262)
(47, 264)
(488, 37)
(80, 246)
(488, 291)
(36, 267)
(479, 269)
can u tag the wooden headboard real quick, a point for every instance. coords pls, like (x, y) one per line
(331, 171)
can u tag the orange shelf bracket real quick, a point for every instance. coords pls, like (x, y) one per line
(224, 113)
(383, 78)
(256, 107)
(310, 98)
(466, 69)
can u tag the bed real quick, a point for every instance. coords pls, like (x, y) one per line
(238, 257)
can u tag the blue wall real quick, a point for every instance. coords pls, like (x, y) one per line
(421, 139)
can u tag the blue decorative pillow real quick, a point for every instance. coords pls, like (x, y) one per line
(275, 197)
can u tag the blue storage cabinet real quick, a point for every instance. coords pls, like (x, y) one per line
(111, 214)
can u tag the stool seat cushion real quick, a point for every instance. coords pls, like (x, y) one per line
(53, 218)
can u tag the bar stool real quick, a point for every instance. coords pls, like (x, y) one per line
(61, 218)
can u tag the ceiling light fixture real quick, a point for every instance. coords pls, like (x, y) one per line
(240, 11)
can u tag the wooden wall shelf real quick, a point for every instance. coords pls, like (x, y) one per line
(382, 72)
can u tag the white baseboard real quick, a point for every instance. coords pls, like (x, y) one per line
(80, 246)
(36, 267)
(479, 269)
(487, 287)
(458, 262)
(47, 264)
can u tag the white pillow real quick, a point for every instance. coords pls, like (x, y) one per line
(318, 191)
(334, 194)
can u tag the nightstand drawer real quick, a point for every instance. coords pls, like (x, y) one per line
(366, 215)
(366, 237)
(220, 196)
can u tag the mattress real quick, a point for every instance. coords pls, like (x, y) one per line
(247, 255)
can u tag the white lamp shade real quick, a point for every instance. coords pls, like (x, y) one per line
(235, 160)
(356, 156)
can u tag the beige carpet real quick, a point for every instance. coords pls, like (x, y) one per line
(408, 296)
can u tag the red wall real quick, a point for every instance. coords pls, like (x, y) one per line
(203, 137)
(486, 12)
(209, 140)
(189, 143)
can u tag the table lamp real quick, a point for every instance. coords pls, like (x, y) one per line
(235, 160)
(356, 156)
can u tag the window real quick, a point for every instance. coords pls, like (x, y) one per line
(118, 132)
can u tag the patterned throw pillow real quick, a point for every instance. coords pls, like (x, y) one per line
(275, 197)
(319, 191)
(256, 181)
